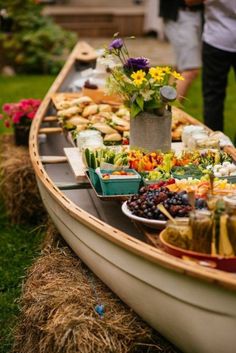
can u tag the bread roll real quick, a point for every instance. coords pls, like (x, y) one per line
(81, 127)
(104, 108)
(83, 101)
(63, 104)
(76, 120)
(112, 137)
(97, 118)
(90, 110)
(68, 113)
(123, 112)
(104, 128)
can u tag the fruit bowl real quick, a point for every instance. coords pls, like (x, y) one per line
(152, 223)
(227, 264)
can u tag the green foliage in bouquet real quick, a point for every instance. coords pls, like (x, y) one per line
(35, 44)
(135, 81)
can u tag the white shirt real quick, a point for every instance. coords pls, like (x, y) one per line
(220, 24)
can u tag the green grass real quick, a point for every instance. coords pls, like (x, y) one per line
(18, 248)
(12, 89)
(18, 245)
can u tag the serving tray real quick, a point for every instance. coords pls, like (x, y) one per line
(227, 264)
(106, 197)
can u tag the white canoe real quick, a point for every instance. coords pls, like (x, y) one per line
(192, 306)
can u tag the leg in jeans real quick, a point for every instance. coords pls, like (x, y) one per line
(216, 66)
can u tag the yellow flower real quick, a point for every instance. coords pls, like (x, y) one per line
(156, 74)
(177, 75)
(152, 70)
(138, 77)
(166, 69)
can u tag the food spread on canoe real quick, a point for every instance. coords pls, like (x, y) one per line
(178, 274)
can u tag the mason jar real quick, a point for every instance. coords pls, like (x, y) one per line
(179, 233)
(201, 223)
(230, 205)
(213, 200)
(89, 139)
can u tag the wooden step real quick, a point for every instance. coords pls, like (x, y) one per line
(74, 10)
(102, 3)
(91, 31)
(99, 21)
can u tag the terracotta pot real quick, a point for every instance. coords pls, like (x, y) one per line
(151, 132)
(21, 134)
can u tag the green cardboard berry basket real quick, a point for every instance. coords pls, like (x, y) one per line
(95, 179)
(122, 185)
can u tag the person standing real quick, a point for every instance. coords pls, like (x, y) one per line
(219, 56)
(183, 28)
(152, 22)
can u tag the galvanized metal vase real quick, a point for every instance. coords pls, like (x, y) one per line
(151, 132)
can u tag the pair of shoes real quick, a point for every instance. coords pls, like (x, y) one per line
(151, 34)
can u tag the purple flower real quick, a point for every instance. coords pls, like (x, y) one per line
(136, 64)
(116, 44)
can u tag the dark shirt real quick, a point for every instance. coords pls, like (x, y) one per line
(169, 8)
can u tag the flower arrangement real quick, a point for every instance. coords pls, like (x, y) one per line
(135, 81)
(20, 113)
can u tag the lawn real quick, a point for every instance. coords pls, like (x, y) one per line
(18, 248)
(18, 245)
(15, 88)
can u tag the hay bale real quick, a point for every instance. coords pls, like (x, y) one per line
(18, 185)
(58, 311)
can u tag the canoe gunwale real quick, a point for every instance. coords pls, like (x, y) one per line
(103, 229)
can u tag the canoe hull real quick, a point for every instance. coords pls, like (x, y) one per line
(196, 315)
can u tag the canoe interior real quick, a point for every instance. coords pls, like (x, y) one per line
(107, 211)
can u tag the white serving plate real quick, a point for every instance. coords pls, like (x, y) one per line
(152, 223)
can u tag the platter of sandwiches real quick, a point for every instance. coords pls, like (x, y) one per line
(78, 113)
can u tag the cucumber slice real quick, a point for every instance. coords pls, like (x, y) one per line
(87, 157)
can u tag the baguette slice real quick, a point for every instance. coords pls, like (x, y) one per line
(104, 108)
(112, 137)
(90, 110)
(104, 128)
(76, 120)
(68, 113)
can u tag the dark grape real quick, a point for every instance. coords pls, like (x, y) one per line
(185, 199)
(145, 204)
(200, 203)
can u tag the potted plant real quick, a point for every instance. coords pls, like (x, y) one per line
(147, 92)
(19, 115)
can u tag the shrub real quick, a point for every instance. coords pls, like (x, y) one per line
(35, 44)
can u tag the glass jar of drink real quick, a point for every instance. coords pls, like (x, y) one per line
(230, 205)
(90, 139)
(213, 201)
(179, 233)
(201, 223)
